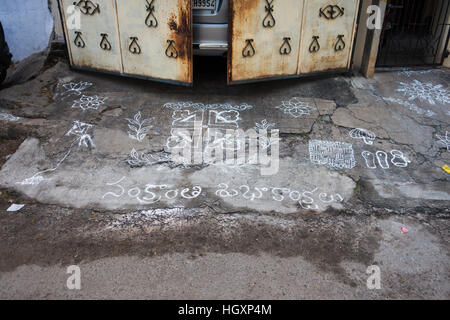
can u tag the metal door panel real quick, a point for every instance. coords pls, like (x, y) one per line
(156, 38)
(96, 44)
(264, 38)
(327, 35)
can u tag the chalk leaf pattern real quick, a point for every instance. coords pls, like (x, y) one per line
(266, 141)
(142, 160)
(264, 125)
(138, 127)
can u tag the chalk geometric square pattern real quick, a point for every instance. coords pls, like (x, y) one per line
(338, 155)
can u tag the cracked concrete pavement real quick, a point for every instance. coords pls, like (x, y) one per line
(89, 155)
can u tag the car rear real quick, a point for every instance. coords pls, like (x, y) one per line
(210, 27)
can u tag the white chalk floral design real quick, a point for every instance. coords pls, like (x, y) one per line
(89, 102)
(295, 107)
(425, 92)
(265, 141)
(444, 140)
(141, 160)
(264, 125)
(138, 127)
(76, 87)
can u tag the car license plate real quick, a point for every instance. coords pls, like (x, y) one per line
(205, 4)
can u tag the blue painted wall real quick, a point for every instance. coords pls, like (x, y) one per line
(28, 26)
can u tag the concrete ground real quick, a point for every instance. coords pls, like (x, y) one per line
(360, 182)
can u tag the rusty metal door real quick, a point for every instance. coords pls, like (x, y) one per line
(96, 43)
(327, 35)
(141, 38)
(288, 38)
(156, 38)
(264, 38)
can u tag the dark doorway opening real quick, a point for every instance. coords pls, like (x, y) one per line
(415, 33)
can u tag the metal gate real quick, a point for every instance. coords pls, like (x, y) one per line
(288, 38)
(267, 38)
(140, 38)
(415, 32)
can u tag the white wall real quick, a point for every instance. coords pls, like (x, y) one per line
(28, 26)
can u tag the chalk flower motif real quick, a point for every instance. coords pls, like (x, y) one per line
(141, 160)
(444, 140)
(295, 107)
(265, 141)
(76, 87)
(425, 92)
(264, 125)
(89, 102)
(138, 127)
